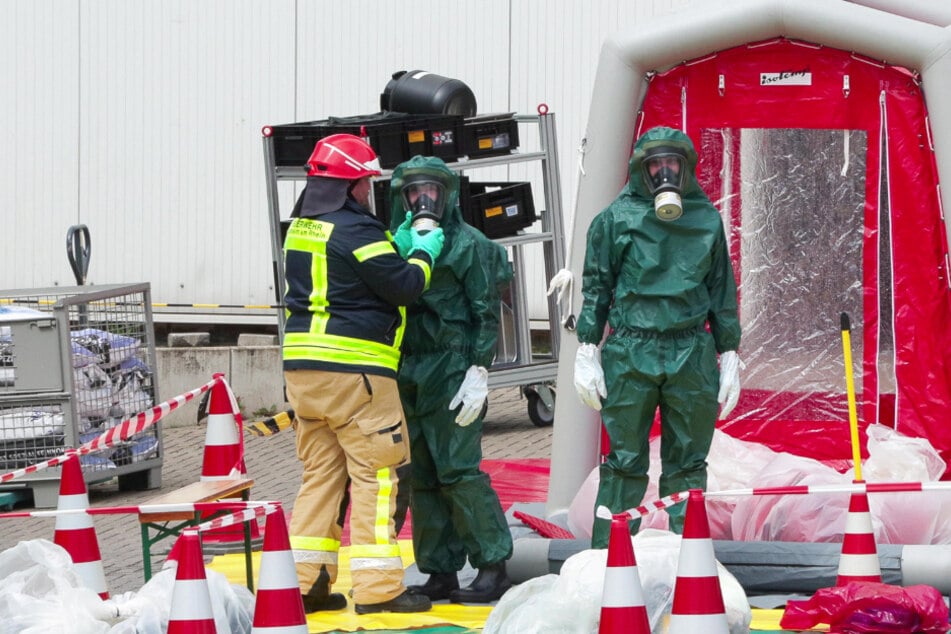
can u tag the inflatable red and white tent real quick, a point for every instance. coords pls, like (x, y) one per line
(824, 133)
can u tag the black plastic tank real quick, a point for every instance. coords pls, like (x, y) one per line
(422, 92)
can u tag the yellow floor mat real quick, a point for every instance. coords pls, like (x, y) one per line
(474, 617)
(232, 566)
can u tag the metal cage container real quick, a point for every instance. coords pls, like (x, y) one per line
(74, 362)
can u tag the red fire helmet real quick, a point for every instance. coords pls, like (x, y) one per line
(343, 156)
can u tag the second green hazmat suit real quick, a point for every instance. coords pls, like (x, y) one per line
(657, 280)
(450, 329)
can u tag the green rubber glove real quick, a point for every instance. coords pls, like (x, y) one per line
(431, 242)
(404, 236)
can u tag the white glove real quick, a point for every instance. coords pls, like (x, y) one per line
(729, 382)
(589, 377)
(471, 395)
(561, 283)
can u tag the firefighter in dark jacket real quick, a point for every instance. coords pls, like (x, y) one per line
(346, 289)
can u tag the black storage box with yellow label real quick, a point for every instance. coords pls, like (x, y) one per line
(395, 136)
(501, 209)
(490, 135)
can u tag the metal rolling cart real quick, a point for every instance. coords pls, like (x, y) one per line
(520, 366)
(74, 361)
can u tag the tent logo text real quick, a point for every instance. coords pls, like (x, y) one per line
(786, 78)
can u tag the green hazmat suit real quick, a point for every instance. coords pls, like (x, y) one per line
(658, 284)
(452, 326)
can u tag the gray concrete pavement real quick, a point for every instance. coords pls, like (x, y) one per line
(271, 462)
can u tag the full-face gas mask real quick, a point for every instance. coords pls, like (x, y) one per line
(425, 196)
(664, 169)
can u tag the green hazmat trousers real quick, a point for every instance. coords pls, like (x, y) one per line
(658, 284)
(452, 326)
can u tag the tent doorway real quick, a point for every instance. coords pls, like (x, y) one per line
(812, 155)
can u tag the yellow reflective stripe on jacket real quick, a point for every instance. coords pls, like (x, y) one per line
(400, 330)
(311, 236)
(318, 296)
(427, 271)
(373, 249)
(298, 345)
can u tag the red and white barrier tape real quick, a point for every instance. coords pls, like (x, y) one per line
(237, 469)
(146, 509)
(855, 487)
(641, 511)
(122, 431)
(239, 517)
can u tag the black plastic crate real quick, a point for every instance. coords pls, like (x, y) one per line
(395, 136)
(381, 197)
(490, 135)
(501, 209)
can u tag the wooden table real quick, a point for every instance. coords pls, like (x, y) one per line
(172, 523)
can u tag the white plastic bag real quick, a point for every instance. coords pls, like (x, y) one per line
(40, 592)
(570, 603)
(232, 605)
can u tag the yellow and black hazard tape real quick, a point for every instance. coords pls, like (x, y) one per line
(272, 425)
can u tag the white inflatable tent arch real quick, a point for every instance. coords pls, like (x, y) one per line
(907, 34)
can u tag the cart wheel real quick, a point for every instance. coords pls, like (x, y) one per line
(538, 412)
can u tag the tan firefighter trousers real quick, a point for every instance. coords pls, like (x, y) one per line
(348, 425)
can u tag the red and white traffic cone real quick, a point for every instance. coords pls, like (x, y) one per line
(75, 532)
(622, 598)
(223, 457)
(698, 600)
(174, 554)
(191, 611)
(278, 608)
(859, 559)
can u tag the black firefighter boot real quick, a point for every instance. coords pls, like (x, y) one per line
(320, 598)
(438, 586)
(489, 585)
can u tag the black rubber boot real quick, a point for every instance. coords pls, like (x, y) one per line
(403, 603)
(319, 598)
(438, 586)
(489, 585)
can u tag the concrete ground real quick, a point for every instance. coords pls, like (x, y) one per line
(271, 462)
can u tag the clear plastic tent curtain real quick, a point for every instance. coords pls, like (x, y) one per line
(800, 228)
(819, 163)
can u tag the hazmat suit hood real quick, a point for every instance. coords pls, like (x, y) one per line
(662, 137)
(684, 277)
(460, 309)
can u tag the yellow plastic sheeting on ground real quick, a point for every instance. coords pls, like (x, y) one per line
(768, 621)
(232, 566)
